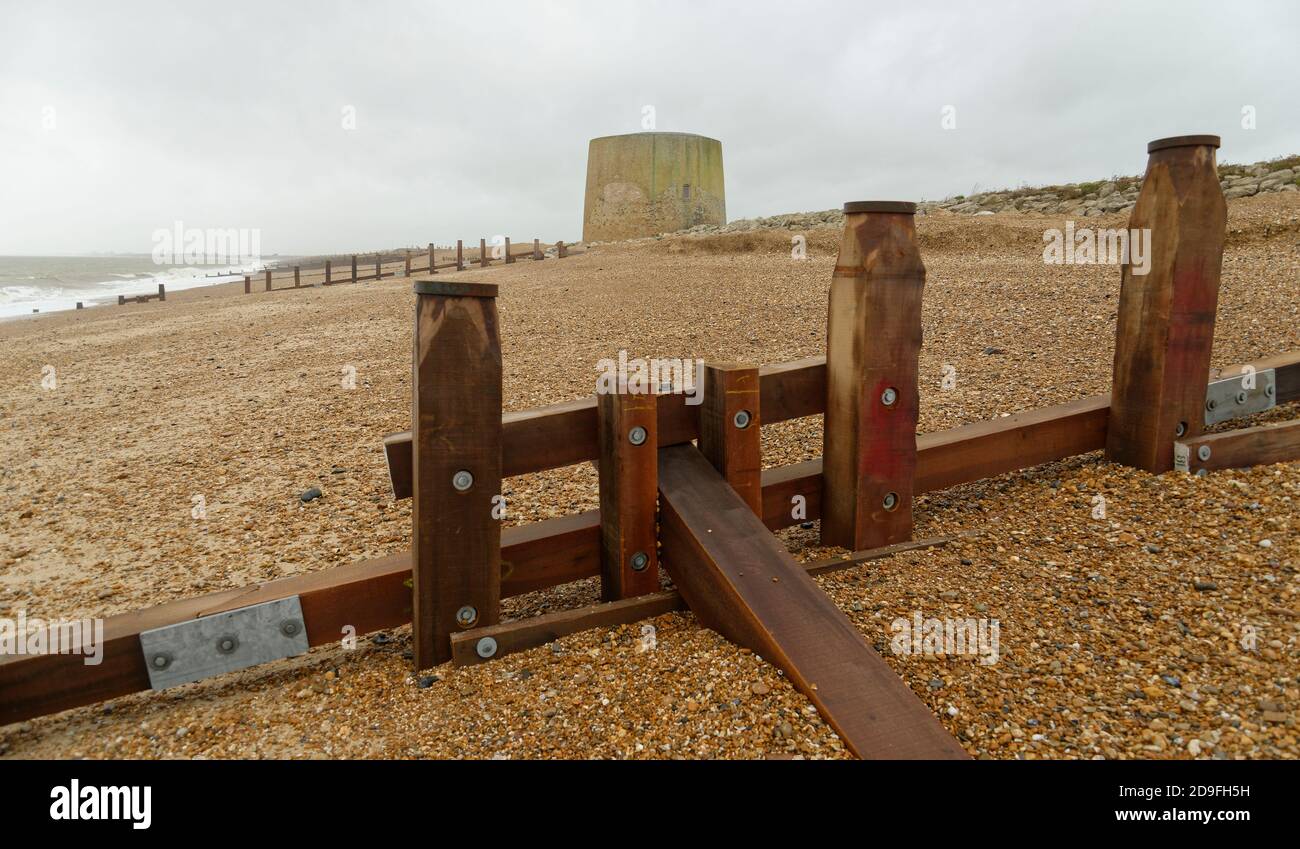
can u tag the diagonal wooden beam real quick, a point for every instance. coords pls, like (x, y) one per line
(740, 581)
(1237, 449)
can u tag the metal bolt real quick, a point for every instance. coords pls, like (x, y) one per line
(889, 396)
(891, 500)
(162, 660)
(636, 435)
(290, 627)
(1241, 397)
(1202, 473)
(227, 644)
(1270, 391)
(462, 480)
(486, 647)
(466, 616)
(640, 560)
(742, 419)
(1203, 452)
(1181, 429)
(1210, 404)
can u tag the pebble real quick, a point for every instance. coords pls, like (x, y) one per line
(310, 495)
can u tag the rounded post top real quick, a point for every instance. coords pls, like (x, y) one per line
(1182, 141)
(455, 289)
(902, 207)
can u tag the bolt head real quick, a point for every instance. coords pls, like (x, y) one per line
(889, 397)
(227, 644)
(486, 647)
(1181, 429)
(1270, 391)
(1210, 404)
(466, 616)
(462, 480)
(742, 419)
(290, 627)
(162, 660)
(637, 435)
(890, 501)
(1241, 397)
(1203, 452)
(639, 561)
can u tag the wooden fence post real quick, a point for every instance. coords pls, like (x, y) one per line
(456, 440)
(379, 270)
(482, 253)
(407, 258)
(537, 249)
(162, 292)
(268, 279)
(1165, 324)
(560, 252)
(460, 255)
(873, 341)
(729, 429)
(354, 268)
(248, 285)
(328, 281)
(509, 258)
(433, 262)
(628, 435)
(297, 277)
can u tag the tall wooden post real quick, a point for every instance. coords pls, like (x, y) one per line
(629, 483)
(509, 258)
(873, 342)
(297, 277)
(537, 248)
(560, 252)
(460, 255)
(729, 429)
(354, 268)
(433, 262)
(1165, 326)
(482, 253)
(268, 279)
(248, 284)
(379, 261)
(327, 273)
(456, 465)
(408, 263)
(162, 292)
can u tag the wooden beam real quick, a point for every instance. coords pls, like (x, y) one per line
(740, 581)
(456, 510)
(627, 468)
(482, 253)
(1238, 449)
(460, 255)
(433, 263)
(523, 634)
(873, 341)
(559, 435)
(354, 268)
(1165, 324)
(730, 428)
(328, 281)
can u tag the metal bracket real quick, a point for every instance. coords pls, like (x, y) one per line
(1228, 398)
(224, 642)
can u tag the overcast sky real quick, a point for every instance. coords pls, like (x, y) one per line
(472, 118)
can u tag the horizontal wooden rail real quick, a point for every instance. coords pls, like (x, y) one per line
(564, 434)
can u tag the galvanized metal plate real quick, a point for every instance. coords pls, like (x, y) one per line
(1240, 396)
(224, 642)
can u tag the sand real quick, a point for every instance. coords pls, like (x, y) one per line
(1107, 648)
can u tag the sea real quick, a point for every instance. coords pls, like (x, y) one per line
(49, 283)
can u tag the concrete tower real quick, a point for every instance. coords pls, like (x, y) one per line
(642, 184)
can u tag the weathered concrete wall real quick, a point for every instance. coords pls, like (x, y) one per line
(642, 184)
